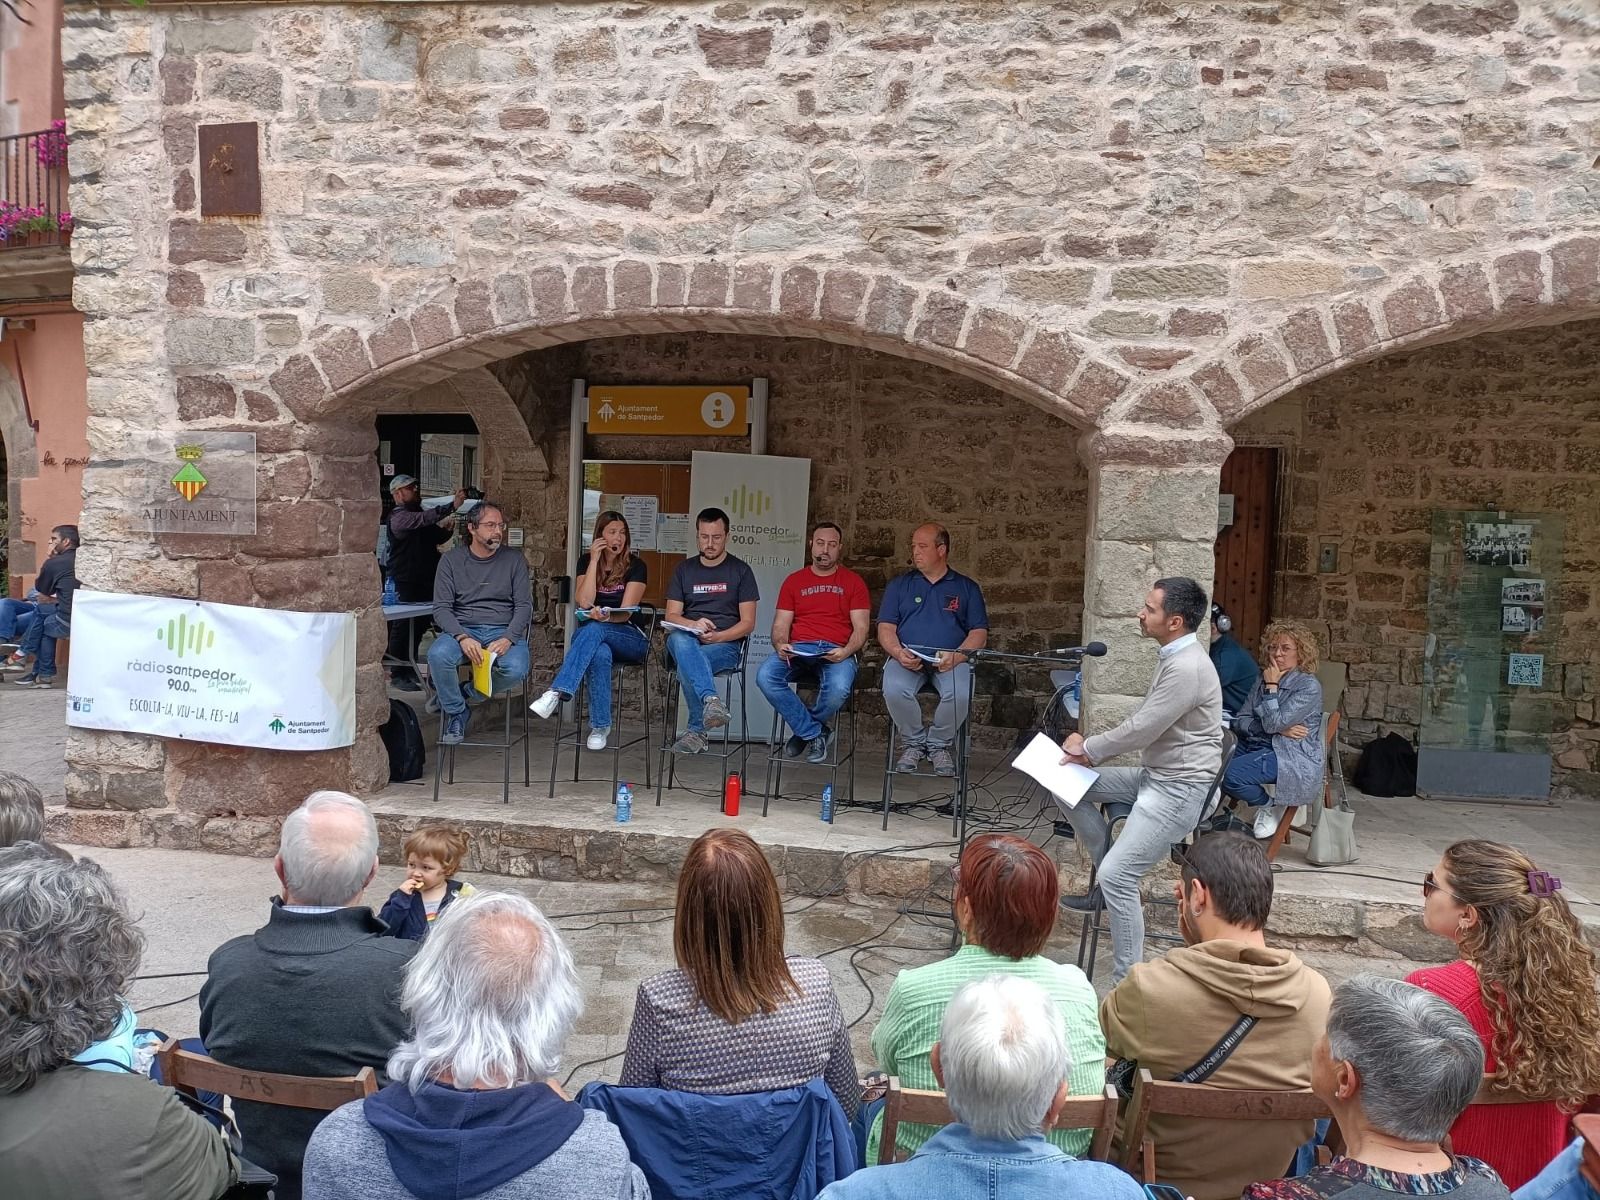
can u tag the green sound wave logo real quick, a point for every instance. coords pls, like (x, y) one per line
(745, 503)
(184, 637)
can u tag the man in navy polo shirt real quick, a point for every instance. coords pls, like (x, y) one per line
(928, 617)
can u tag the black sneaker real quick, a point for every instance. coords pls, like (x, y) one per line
(795, 746)
(817, 748)
(1084, 904)
(30, 680)
(455, 728)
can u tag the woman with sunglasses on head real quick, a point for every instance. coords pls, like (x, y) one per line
(610, 584)
(1526, 982)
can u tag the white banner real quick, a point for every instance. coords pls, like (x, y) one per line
(766, 498)
(212, 672)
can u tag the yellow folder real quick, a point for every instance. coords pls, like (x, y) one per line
(480, 673)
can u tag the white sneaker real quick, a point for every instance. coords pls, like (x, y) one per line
(546, 705)
(1268, 818)
(597, 739)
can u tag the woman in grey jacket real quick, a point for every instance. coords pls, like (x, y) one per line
(1280, 730)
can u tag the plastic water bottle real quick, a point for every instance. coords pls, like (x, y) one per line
(624, 802)
(827, 803)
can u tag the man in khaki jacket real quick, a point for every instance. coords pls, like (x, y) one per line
(1168, 1014)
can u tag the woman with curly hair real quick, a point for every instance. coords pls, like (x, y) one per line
(1526, 982)
(67, 951)
(1278, 730)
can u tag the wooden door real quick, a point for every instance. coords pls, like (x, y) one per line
(1244, 549)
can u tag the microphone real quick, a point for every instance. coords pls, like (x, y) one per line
(1092, 650)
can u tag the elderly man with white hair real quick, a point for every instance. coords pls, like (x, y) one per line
(473, 1110)
(1004, 1063)
(314, 991)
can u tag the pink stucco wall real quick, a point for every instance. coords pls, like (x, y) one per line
(30, 68)
(52, 362)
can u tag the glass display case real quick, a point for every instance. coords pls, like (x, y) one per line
(1493, 626)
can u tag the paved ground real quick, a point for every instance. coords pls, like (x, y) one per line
(189, 902)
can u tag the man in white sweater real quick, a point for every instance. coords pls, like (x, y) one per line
(1178, 734)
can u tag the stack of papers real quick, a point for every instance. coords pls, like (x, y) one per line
(683, 628)
(1041, 758)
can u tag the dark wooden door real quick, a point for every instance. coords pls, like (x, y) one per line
(1244, 549)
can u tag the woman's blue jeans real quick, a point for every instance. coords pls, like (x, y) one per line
(595, 646)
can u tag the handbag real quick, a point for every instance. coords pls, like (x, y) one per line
(1333, 838)
(1122, 1073)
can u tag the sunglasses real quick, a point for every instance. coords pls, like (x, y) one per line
(1430, 885)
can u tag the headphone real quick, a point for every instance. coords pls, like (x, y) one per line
(1223, 622)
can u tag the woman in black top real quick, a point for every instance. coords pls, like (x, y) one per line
(611, 579)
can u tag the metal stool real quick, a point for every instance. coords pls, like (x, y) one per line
(507, 743)
(575, 740)
(961, 750)
(667, 768)
(811, 675)
(1116, 814)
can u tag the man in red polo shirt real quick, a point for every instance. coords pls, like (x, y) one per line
(822, 619)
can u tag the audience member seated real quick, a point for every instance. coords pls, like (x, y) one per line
(1005, 904)
(1236, 670)
(1004, 1062)
(1526, 982)
(1167, 1015)
(611, 577)
(433, 856)
(473, 1109)
(52, 617)
(1278, 730)
(483, 604)
(736, 1015)
(1396, 1066)
(929, 615)
(67, 951)
(21, 811)
(819, 625)
(716, 594)
(1574, 1174)
(314, 991)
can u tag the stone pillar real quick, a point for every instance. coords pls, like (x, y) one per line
(1152, 513)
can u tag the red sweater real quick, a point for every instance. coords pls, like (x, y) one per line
(1517, 1140)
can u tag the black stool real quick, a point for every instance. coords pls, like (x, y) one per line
(574, 741)
(667, 768)
(960, 750)
(519, 694)
(810, 675)
(1116, 814)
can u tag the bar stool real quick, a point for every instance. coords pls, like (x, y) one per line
(574, 740)
(517, 695)
(810, 675)
(667, 768)
(961, 750)
(1117, 815)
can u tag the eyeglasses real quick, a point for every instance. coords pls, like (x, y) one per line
(1430, 885)
(491, 524)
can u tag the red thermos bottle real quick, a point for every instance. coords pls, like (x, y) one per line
(730, 795)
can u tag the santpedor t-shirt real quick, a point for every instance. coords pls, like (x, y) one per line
(714, 592)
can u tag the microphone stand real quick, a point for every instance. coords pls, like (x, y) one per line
(958, 823)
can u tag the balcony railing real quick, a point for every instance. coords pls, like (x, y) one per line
(33, 189)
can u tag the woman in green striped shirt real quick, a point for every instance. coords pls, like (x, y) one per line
(1006, 904)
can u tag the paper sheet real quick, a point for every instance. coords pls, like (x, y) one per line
(480, 673)
(694, 629)
(674, 533)
(640, 513)
(1041, 758)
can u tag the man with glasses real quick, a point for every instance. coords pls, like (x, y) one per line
(483, 603)
(1226, 1001)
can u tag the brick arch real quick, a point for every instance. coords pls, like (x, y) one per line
(484, 319)
(1547, 284)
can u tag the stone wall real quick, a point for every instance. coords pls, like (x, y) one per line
(1507, 420)
(892, 443)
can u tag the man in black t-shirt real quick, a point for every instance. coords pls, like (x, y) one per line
(711, 609)
(56, 582)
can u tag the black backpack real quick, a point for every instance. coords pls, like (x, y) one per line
(402, 738)
(1388, 767)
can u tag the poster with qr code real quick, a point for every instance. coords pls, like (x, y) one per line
(1526, 670)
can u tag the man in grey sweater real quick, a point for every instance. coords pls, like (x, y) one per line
(483, 604)
(1178, 734)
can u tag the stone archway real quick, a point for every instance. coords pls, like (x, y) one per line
(486, 319)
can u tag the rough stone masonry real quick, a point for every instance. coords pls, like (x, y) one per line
(1149, 221)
